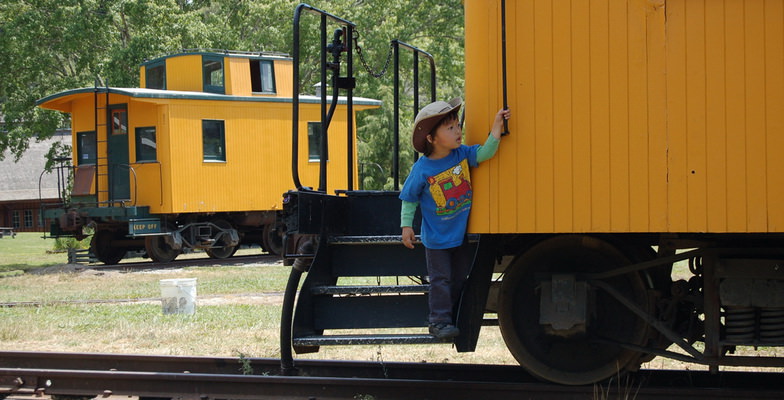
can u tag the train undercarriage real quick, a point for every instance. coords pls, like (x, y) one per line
(118, 230)
(572, 308)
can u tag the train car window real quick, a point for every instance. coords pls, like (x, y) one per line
(119, 121)
(85, 148)
(213, 140)
(212, 69)
(314, 141)
(155, 76)
(262, 76)
(146, 146)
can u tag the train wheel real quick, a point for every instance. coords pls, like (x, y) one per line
(222, 249)
(573, 356)
(158, 250)
(101, 246)
(273, 240)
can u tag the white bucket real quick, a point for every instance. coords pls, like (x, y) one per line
(178, 295)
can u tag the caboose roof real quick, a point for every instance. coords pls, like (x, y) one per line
(264, 55)
(61, 101)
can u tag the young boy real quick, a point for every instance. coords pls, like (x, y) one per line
(440, 184)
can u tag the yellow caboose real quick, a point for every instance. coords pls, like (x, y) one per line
(645, 133)
(194, 158)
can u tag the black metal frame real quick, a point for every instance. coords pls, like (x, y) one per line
(396, 44)
(336, 47)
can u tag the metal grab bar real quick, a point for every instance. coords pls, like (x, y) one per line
(396, 44)
(347, 32)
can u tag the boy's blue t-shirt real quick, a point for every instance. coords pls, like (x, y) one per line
(443, 189)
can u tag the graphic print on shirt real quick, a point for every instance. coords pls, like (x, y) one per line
(451, 189)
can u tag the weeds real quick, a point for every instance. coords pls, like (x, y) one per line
(66, 243)
(245, 366)
(625, 387)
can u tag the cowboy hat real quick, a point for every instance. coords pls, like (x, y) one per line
(428, 118)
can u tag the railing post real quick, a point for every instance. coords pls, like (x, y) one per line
(396, 134)
(325, 116)
(396, 130)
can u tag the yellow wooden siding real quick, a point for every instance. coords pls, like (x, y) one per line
(237, 76)
(145, 179)
(629, 116)
(283, 75)
(142, 77)
(184, 73)
(724, 65)
(257, 170)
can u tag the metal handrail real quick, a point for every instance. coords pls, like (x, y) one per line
(346, 32)
(396, 44)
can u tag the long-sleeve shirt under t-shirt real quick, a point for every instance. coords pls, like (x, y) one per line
(442, 188)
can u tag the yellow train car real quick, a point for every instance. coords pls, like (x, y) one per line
(632, 116)
(645, 134)
(194, 157)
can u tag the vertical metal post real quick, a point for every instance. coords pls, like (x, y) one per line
(503, 62)
(416, 82)
(712, 310)
(396, 47)
(350, 108)
(396, 118)
(323, 151)
(295, 102)
(95, 128)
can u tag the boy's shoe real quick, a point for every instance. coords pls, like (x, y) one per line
(443, 330)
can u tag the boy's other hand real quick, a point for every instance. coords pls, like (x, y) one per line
(408, 237)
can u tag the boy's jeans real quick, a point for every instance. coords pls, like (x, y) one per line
(448, 270)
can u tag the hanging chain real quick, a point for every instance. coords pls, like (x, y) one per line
(364, 62)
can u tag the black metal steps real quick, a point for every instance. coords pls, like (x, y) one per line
(379, 239)
(332, 340)
(366, 290)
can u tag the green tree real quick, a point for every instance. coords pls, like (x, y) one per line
(48, 46)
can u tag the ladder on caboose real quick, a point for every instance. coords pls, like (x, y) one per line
(101, 169)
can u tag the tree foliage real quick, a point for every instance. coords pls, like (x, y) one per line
(47, 46)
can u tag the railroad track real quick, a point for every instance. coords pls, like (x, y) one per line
(187, 262)
(77, 374)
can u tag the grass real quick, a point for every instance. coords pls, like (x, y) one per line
(114, 285)
(26, 251)
(235, 315)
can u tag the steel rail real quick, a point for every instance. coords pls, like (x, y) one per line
(185, 262)
(206, 377)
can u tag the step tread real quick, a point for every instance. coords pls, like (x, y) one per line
(328, 340)
(378, 239)
(370, 289)
(381, 239)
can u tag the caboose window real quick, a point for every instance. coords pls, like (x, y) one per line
(146, 147)
(314, 141)
(262, 76)
(213, 140)
(212, 69)
(119, 117)
(85, 148)
(155, 76)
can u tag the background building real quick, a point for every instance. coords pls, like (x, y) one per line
(20, 194)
